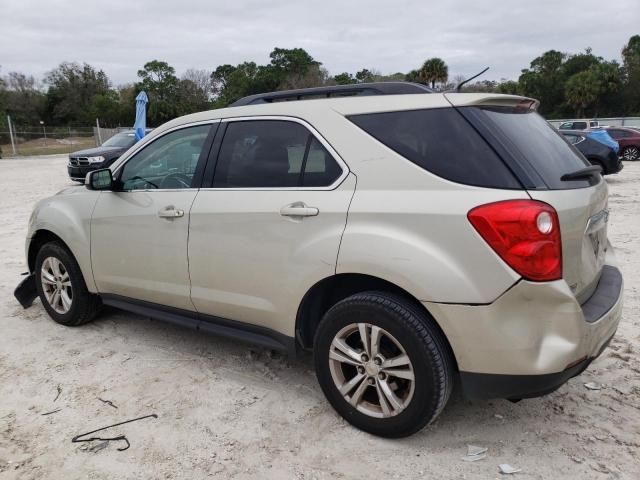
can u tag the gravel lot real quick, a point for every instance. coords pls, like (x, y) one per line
(225, 410)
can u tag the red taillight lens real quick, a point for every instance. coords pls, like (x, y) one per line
(525, 234)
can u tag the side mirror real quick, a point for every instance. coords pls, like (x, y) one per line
(99, 180)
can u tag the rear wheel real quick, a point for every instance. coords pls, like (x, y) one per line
(631, 153)
(61, 286)
(383, 364)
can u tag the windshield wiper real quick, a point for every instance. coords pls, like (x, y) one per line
(585, 172)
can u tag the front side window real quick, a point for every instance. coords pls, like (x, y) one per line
(167, 163)
(272, 154)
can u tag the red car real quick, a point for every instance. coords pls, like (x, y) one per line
(629, 141)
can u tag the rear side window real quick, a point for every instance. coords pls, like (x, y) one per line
(273, 154)
(534, 142)
(442, 142)
(573, 139)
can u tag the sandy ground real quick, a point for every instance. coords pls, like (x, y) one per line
(227, 411)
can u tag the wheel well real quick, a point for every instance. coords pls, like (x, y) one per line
(39, 239)
(329, 291)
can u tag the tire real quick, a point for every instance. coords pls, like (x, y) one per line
(631, 153)
(74, 305)
(405, 330)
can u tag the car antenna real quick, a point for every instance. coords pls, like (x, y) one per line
(469, 79)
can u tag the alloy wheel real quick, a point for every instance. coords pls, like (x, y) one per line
(631, 153)
(371, 370)
(56, 285)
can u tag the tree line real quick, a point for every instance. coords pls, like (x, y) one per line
(73, 94)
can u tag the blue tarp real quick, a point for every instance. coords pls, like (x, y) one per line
(601, 135)
(141, 115)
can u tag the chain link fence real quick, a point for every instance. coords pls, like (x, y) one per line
(43, 140)
(609, 122)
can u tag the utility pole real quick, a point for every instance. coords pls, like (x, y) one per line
(13, 144)
(99, 136)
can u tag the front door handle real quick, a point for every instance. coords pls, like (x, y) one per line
(170, 212)
(298, 209)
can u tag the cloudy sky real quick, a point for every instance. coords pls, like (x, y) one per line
(119, 36)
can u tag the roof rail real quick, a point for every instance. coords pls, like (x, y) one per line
(376, 88)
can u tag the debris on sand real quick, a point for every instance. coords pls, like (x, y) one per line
(118, 438)
(593, 386)
(51, 412)
(507, 469)
(475, 453)
(108, 402)
(473, 450)
(59, 389)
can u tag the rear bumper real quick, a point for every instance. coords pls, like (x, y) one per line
(533, 338)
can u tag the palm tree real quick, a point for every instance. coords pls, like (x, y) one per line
(434, 70)
(581, 91)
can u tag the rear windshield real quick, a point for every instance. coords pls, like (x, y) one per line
(121, 140)
(533, 142)
(441, 141)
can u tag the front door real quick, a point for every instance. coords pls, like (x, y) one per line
(139, 232)
(269, 226)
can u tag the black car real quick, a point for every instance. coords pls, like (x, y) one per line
(597, 153)
(83, 161)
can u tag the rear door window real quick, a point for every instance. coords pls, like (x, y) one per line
(442, 142)
(273, 154)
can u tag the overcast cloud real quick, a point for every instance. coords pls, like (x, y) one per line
(119, 36)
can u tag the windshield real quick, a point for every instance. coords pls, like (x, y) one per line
(124, 140)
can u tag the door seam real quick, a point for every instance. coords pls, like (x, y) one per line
(346, 221)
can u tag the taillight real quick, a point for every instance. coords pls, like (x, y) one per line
(525, 234)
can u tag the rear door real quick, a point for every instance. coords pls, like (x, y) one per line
(269, 224)
(540, 155)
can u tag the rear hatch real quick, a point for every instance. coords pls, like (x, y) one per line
(543, 161)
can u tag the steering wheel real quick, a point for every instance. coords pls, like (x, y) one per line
(175, 180)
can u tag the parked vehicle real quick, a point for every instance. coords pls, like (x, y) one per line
(601, 135)
(595, 152)
(85, 161)
(407, 239)
(629, 141)
(579, 124)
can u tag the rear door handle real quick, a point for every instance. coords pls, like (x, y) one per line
(170, 212)
(298, 209)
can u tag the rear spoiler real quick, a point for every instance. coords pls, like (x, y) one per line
(491, 100)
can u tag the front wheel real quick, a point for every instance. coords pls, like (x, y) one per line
(383, 364)
(631, 153)
(61, 286)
